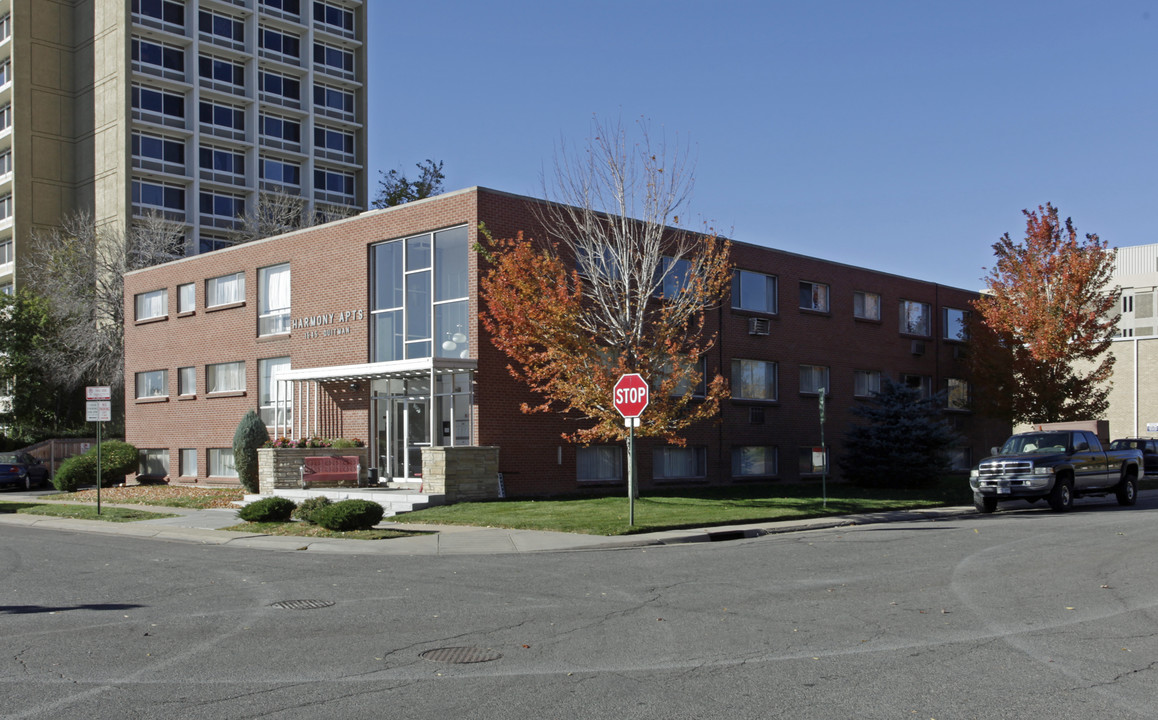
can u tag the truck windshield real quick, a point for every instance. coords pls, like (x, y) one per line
(1035, 443)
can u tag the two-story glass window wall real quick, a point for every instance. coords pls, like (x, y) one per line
(420, 304)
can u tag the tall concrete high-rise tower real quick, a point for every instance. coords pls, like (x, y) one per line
(190, 108)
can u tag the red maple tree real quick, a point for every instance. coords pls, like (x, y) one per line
(1042, 328)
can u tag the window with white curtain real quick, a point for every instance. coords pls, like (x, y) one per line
(186, 298)
(225, 290)
(225, 377)
(154, 461)
(153, 383)
(221, 463)
(679, 462)
(813, 379)
(599, 463)
(866, 382)
(152, 304)
(915, 318)
(187, 462)
(187, 381)
(866, 305)
(273, 299)
(273, 401)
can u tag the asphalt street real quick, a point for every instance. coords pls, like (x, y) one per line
(1022, 614)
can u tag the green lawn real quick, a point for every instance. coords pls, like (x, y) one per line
(690, 507)
(80, 512)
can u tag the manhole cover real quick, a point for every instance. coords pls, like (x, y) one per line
(301, 604)
(461, 655)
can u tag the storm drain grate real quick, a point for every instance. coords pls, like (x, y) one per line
(301, 604)
(461, 655)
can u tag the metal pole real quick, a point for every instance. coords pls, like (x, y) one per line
(98, 467)
(631, 472)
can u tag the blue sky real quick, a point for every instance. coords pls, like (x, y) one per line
(900, 136)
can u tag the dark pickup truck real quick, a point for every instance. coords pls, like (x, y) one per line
(1055, 465)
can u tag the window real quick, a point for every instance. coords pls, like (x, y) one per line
(159, 149)
(6, 206)
(332, 181)
(679, 462)
(167, 11)
(221, 26)
(152, 304)
(923, 383)
(754, 461)
(187, 381)
(225, 290)
(866, 305)
(960, 458)
(754, 380)
(753, 291)
(273, 300)
(915, 318)
(153, 383)
(280, 172)
(221, 463)
(7, 252)
(5, 72)
(674, 273)
(163, 196)
(813, 460)
(280, 128)
(222, 160)
(149, 100)
(813, 379)
(813, 296)
(334, 99)
(273, 397)
(285, 86)
(209, 243)
(187, 462)
(186, 298)
(154, 462)
(420, 301)
(956, 324)
(220, 70)
(222, 205)
(957, 396)
(160, 55)
(5, 27)
(333, 58)
(1127, 303)
(5, 162)
(334, 140)
(289, 7)
(6, 116)
(327, 14)
(222, 115)
(8, 289)
(683, 387)
(225, 377)
(599, 463)
(866, 382)
(278, 42)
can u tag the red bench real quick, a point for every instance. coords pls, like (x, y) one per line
(338, 470)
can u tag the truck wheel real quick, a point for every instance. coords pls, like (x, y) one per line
(1061, 498)
(1127, 490)
(984, 504)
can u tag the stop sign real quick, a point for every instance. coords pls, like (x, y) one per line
(630, 395)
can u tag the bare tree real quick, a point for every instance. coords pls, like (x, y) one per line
(79, 269)
(275, 213)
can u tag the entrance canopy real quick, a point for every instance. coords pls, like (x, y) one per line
(416, 367)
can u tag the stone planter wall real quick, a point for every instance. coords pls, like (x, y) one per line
(461, 474)
(280, 468)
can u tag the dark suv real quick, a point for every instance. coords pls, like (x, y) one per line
(1148, 446)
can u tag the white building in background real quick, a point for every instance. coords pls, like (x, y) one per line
(186, 107)
(1134, 398)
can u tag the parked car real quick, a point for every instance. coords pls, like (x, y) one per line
(21, 470)
(1148, 446)
(1058, 466)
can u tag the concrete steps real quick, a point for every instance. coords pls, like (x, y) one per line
(392, 500)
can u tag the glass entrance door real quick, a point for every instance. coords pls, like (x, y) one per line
(409, 432)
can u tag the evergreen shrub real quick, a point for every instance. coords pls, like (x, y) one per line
(270, 509)
(308, 509)
(350, 515)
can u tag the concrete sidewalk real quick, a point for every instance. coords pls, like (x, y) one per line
(203, 527)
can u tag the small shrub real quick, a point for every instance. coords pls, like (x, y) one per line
(342, 443)
(270, 509)
(74, 472)
(307, 511)
(349, 515)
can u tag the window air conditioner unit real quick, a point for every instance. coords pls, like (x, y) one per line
(918, 347)
(759, 326)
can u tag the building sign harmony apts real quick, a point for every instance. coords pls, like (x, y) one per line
(325, 320)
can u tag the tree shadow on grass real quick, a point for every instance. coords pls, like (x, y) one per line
(9, 508)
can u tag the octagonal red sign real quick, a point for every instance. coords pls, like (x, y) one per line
(631, 395)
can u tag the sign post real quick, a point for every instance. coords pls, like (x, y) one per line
(98, 409)
(630, 397)
(823, 454)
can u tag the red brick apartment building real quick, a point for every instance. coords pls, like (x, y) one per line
(368, 328)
